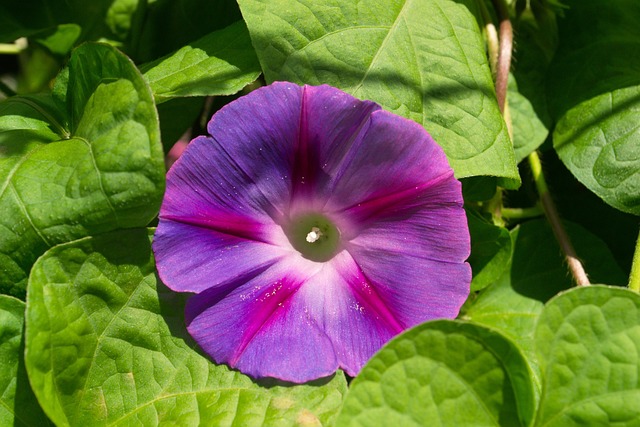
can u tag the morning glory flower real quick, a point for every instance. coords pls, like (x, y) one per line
(312, 227)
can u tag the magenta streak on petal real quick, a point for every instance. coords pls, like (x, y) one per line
(302, 163)
(369, 208)
(266, 307)
(365, 292)
(318, 158)
(242, 228)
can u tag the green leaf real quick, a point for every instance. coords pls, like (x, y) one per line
(529, 132)
(579, 205)
(424, 60)
(60, 40)
(538, 268)
(478, 188)
(490, 250)
(594, 55)
(589, 345)
(502, 308)
(66, 174)
(594, 92)
(221, 63)
(535, 274)
(169, 25)
(106, 344)
(18, 19)
(448, 373)
(536, 38)
(598, 142)
(123, 16)
(18, 405)
(176, 117)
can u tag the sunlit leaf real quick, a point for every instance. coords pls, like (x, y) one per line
(106, 344)
(92, 166)
(18, 405)
(448, 372)
(424, 60)
(588, 341)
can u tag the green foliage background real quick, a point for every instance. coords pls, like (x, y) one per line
(103, 90)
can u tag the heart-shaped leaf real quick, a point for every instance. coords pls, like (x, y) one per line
(536, 273)
(445, 372)
(18, 405)
(67, 172)
(106, 345)
(220, 63)
(588, 342)
(424, 60)
(594, 93)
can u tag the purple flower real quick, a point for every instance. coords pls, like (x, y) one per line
(312, 227)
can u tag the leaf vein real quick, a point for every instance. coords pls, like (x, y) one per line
(100, 182)
(23, 209)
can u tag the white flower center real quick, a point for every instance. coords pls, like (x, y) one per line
(314, 234)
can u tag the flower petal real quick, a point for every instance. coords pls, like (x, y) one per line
(332, 124)
(396, 161)
(214, 224)
(192, 258)
(263, 328)
(417, 289)
(278, 154)
(352, 313)
(259, 133)
(429, 223)
(221, 197)
(295, 328)
(287, 139)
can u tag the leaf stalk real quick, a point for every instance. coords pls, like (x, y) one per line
(634, 277)
(574, 264)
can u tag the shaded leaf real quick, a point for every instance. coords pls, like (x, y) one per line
(529, 132)
(577, 204)
(449, 371)
(106, 344)
(435, 74)
(596, 52)
(594, 93)
(538, 269)
(478, 188)
(169, 25)
(490, 251)
(20, 19)
(536, 41)
(176, 117)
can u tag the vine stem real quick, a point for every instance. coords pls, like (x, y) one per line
(503, 67)
(523, 213)
(13, 48)
(634, 277)
(504, 54)
(574, 264)
(6, 90)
